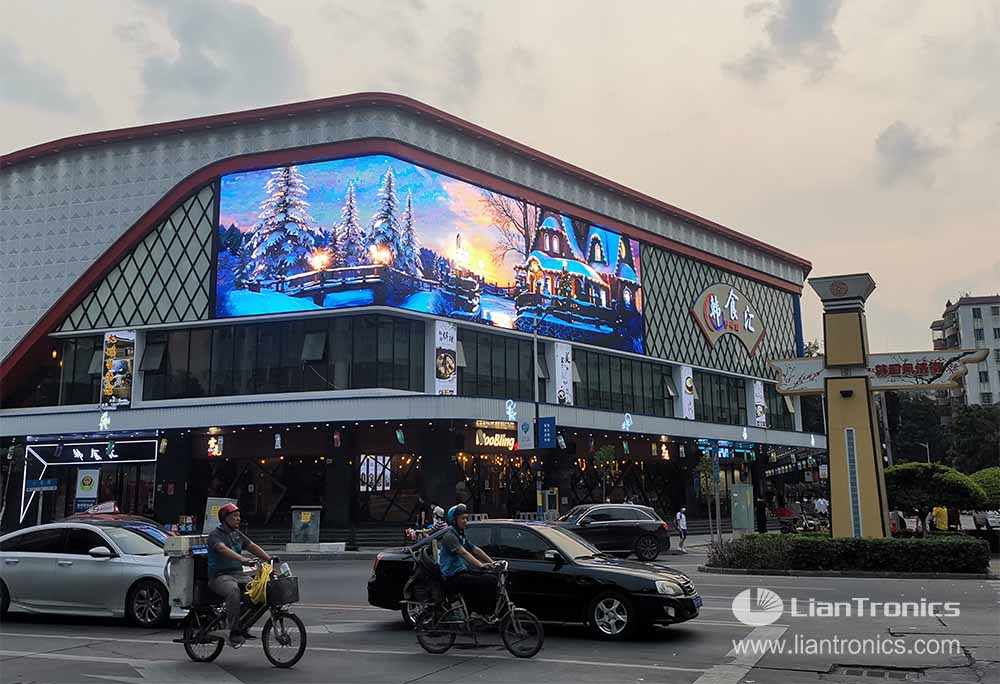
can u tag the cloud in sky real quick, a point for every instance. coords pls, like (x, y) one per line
(32, 83)
(903, 153)
(799, 33)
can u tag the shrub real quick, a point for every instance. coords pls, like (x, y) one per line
(918, 487)
(938, 553)
(989, 480)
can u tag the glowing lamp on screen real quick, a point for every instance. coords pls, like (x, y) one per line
(319, 260)
(380, 255)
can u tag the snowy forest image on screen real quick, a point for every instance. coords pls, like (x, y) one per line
(380, 230)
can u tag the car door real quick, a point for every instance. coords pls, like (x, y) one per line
(542, 586)
(595, 528)
(29, 563)
(88, 584)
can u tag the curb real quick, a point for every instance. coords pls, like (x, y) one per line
(850, 573)
(334, 556)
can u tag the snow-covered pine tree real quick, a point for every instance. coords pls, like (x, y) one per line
(350, 234)
(409, 246)
(285, 234)
(385, 228)
(335, 247)
(565, 283)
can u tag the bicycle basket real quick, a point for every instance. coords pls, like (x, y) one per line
(282, 591)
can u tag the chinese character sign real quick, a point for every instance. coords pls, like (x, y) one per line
(445, 358)
(760, 408)
(687, 392)
(723, 310)
(116, 380)
(564, 373)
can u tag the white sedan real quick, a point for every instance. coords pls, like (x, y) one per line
(99, 568)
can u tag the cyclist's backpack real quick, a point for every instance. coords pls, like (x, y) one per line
(425, 584)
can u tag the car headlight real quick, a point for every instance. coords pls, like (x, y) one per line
(668, 588)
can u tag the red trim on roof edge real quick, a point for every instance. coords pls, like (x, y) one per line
(402, 102)
(12, 369)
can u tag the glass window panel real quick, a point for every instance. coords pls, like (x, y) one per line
(314, 346)
(199, 365)
(152, 356)
(222, 361)
(513, 374)
(401, 355)
(525, 370)
(594, 381)
(628, 399)
(340, 351)
(244, 358)
(177, 363)
(580, 397)
(417, 356)
(484, 364)
(498, 367)
(616, 383)
(604, 362)
(364, 352)
(384, 359)
(290, 373)
(638, 369)
(656, 376)
(268, 359)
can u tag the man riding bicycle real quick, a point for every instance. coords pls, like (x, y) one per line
(462, 563)
(225, 567)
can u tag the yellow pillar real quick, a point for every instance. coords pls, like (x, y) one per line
(858, 504)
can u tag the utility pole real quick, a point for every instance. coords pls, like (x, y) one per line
(885, 424)
(927, 448)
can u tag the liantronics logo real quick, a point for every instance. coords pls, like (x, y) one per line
(758, 607)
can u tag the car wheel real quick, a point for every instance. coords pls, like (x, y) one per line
(411, 614)
(148, 604)
(647, 547)
(611, 616)
(4, 600)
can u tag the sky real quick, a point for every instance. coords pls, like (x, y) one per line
(859, 134)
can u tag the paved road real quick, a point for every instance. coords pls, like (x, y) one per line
(352, 642)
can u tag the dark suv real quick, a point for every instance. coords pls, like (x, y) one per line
(620, 529)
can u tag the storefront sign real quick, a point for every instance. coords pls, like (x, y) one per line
(496, 425)
(41, 485)
(547, 432)
(687, 393)
(525, 435)
(92, 452)
(498, 440)
(564, 373)
(760, 408)
(87, 481)
(215, 445)
(116, 383)
(375, 473)
(824, 472)
(445, 358)
(723, 310)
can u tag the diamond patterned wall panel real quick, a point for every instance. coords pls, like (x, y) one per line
(671, 283)
(165, 279)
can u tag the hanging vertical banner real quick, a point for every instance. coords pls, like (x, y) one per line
(87, 481)
(564, 373)
(445, 358)
(760, 408)
(687, 392)
(116, 383)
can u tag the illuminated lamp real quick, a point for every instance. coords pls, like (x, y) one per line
(319, 259)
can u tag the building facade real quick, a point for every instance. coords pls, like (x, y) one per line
(972, 323)
(366, 304)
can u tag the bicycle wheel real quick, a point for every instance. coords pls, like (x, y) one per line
(431, 637)
(522, 633)
(201, 651)
(284, 639)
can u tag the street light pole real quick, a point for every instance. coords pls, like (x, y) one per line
(927, 448)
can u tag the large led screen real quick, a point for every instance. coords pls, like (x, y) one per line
(380, 230)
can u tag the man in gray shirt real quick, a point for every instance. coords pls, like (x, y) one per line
(225, 566)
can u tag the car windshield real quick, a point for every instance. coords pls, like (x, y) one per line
(569, 543)
(575, 514)
(133, 542)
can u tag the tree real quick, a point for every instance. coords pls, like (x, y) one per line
(428, 262)
(515, 222)
(334, 247)
(351, 235)
(812, 349)
(409, 247)
(384, 234)
(918, 487)
(975, 442)
(285, 234)
(989, 480)
(913, 421)
(232, 240)
(565, 283)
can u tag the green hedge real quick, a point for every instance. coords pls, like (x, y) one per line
(947, 553)
(989, 480)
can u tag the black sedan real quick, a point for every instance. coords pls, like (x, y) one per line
(561, 578)
(620, 529)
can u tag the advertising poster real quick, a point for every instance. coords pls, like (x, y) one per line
(119, 355)
(564, 373)
(212, 506)
(445, 358)
(378, 230)
(687, 392)
(87, 481)
(760, 408)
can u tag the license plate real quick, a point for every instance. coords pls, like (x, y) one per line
(697, 602)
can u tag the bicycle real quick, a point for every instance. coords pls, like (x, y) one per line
(283, 637)
(438, 625)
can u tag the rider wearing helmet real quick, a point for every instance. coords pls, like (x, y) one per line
(225, 566)
(462, 564)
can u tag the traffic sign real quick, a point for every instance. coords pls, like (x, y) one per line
(41, 485)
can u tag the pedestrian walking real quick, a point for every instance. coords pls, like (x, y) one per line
(681, 521)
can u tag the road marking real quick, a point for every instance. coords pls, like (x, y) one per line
(179, 672)
(765, 584)
(733, 672)
(329, 649)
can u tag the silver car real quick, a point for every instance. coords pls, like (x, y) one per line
(94, 568)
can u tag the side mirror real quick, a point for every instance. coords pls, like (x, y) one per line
(554, 556)
(100, 552)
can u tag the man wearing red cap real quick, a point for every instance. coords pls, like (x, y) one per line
(225, 567)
